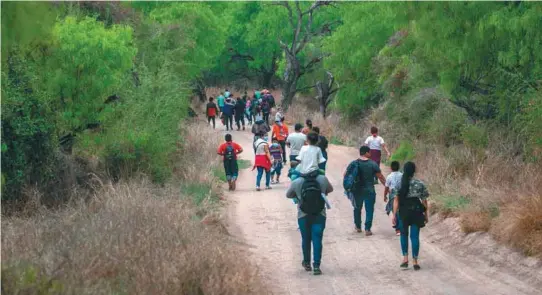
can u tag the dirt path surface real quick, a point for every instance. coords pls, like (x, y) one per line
(351, 263)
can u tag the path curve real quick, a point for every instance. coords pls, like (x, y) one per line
(351, 263)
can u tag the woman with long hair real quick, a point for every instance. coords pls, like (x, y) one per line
(410, 212)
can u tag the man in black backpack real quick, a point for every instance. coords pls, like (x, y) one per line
(363, 190)
(229, 150)
(311, 215)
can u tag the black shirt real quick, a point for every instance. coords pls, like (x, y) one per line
(322, 143)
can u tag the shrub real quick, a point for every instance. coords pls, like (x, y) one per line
(472, 221)
(475, 136)
(405, 152)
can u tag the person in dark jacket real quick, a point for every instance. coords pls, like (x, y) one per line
(228, 110)
(260, 127)
(322, 144)
(211, 111)
(240, 113)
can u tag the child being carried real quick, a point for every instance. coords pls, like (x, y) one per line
(294, 173)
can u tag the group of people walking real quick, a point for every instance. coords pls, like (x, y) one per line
(405, 196)
(244, 108)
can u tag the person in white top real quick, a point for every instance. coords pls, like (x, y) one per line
(310, 155)
(296, 141)
(375, 144)
(262, 161)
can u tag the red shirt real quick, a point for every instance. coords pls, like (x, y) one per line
(236, 148)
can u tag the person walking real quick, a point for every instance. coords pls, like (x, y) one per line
(362, 190)
(310, 156)
(229, 150)
(296, 141)
(276, 152)
(280, 132)
(323, 145)
(411, 207)
(309, 192)
(248, 110)
(262, 161)
(239, 114)
(279, 115)
(259, 127)
(227, 93)
(308, 127)
(393, 183)
(228, 110)
(211, 111)
(220, 101)
(376, 144)
(266, 108)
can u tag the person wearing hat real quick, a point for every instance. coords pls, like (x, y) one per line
(280, 132)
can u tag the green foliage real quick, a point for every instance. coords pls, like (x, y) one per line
(28, 134)
(86, 50)
(200, 36)
(367, 27)
(405, 152)
(25, 278)
(24, 25)
(452, 203)
(474, 136)
(199, 192)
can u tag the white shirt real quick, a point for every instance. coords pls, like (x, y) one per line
(296, 141)
(278, 116)
(374, 143)
(260, 146)
(393, 181)
(310, 156)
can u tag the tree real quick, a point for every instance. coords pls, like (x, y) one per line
(325, 92)
(85, 50)
(301, 23)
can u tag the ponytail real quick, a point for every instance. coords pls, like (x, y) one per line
(408, 172)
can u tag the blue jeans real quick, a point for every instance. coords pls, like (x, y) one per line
(312, 232)
(259, 177)
(414, 238)
(369, 199)
(276, 169)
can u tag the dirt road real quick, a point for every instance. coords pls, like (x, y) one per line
(351, 263)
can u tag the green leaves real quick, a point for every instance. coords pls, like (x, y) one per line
(89, 63)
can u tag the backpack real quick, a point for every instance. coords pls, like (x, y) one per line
(265, 106)
(312, 202)
(352, 177)
(229, 154)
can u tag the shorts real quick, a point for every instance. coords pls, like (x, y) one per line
(232, 169)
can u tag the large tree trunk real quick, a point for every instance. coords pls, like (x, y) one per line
(291, 76)
(325, 92)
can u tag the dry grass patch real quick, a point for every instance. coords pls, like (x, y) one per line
(471, 222)
(520, 225)
(132, 238)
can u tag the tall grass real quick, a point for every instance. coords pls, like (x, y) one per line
(133, 237)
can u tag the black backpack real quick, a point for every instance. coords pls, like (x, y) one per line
(312, 202)
(352, 178)
(229, 154)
